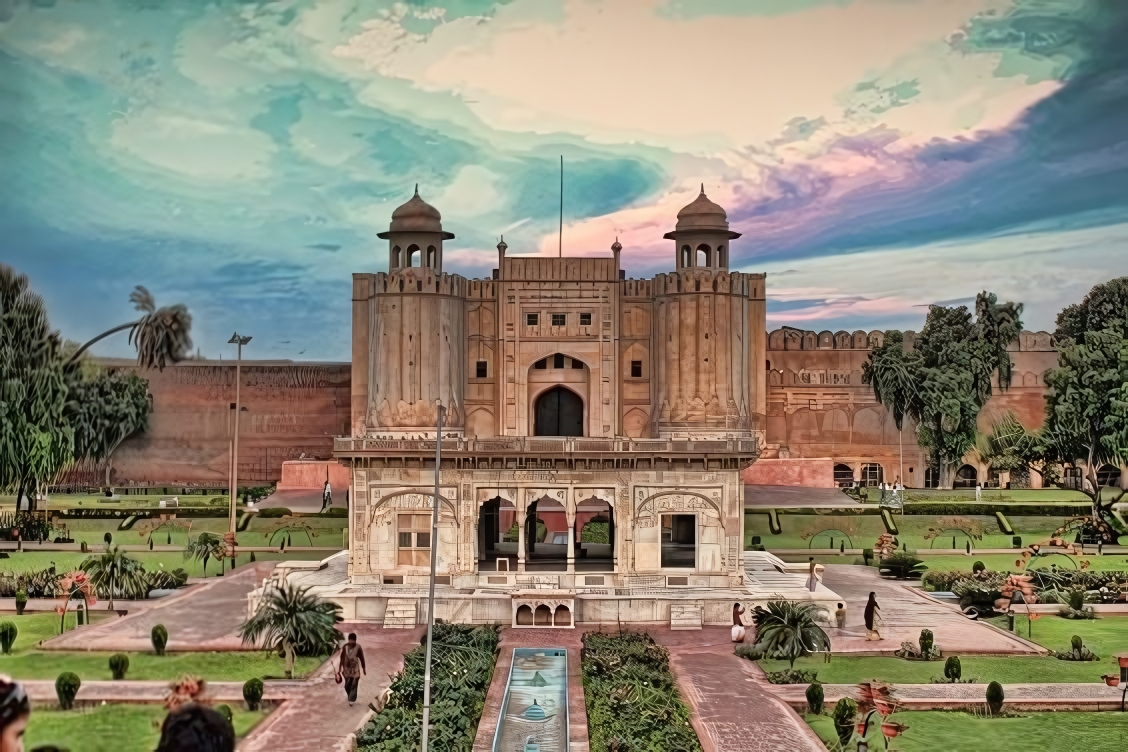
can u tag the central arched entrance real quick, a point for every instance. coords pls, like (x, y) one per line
(559, 412)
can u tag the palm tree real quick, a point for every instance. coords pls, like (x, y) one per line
(116, 572)
(292, 621)
(161, 334)
(787, 629)
(205, 546)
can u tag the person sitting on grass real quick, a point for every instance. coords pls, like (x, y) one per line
(195, 728)
(15, 710)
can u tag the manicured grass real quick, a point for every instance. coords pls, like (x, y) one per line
(948, 731)
(1105, 637)
(27, 662)
(112, 728)
(64, 561)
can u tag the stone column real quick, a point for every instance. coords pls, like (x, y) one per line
(571, 517)
(521, 514)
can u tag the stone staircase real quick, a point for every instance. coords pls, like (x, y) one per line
(686, 615)
(400, 614)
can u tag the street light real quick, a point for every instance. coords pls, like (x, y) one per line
(234, 488)
(434, 565)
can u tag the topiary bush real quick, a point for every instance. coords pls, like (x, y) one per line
(225, 711)
(1077, 652)
(119, 664)
(8, 632)
(792, 676)
(995, 697)
(978, 567)
(252, 693)
(66, 688)
(271, 512)
(926, 642)
(952, 668)
(815, 698)
(844, 713)
(159, 636)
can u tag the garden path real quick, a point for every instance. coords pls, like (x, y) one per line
(205, 617)
(732, 710)
(320, 719)
(568, 639)
(904, 613)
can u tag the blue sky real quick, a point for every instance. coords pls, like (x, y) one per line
(878, 155)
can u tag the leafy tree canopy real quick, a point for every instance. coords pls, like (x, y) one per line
(1102, 308)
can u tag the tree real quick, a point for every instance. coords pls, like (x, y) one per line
(105, 407)
(944, 384)
(205, 546)
(36, 441)
(790, 630)
(293, 622)
(1010, 446)
(1102, 308)
(162, 335)
(1087, 408)
(115, 573)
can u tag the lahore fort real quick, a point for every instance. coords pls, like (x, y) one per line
(570, 393)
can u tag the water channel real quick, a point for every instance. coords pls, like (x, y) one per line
(534, 713)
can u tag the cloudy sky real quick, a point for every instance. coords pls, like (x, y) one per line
(877, 155)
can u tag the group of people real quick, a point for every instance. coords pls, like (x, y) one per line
(871, 615)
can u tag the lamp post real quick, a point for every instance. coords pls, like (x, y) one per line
(434, 564)
(239, 341)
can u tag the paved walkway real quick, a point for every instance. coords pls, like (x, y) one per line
(568, 639)
(732, 712)
(204, 618)
(320, 719)
(763, 498)
(904, 613)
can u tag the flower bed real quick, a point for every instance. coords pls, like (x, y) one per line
(632, 701)
(462, 664)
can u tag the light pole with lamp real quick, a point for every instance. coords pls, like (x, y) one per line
(229, 538)
(434, 563)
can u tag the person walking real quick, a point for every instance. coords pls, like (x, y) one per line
(871, 617)
(351, 667)
(737, 623)
(15, 710)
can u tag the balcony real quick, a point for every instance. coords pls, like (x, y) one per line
(516, 446)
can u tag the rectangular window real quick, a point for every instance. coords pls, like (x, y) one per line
(541, 364)
(636, 368)
(577, 364)
(557, 361)
(559, 319)
(532, 319)
(585, 319)
(414, 538)
(679, 541)
(480, 370)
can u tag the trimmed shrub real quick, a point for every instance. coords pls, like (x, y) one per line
(108, 538)
(1076, 643)
(252, 693)
(867, 556)
(274, 512)
(119, 664)
(815, 698)
(952, 668)
(225, 711)
(844, 713)
(792, 676)
(926, 641)
(8, 632)
(978, 567)
(66, 687)
(995, 697)
(159, 636)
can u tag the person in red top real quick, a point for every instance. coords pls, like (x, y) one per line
(352, 667)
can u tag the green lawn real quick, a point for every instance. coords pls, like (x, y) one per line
(27, 662)
(112, 728)
(943, 731)
(65, 561)
(1105, 637)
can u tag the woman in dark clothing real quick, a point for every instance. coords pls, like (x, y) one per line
(871, 615)
(351, 667)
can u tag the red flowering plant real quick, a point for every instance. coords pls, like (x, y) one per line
(73, 585)
(186, 689)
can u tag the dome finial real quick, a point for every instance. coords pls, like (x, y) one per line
(501, 246)
(417, 189)
(702, 189)
(616, 246)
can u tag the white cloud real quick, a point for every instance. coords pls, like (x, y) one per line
(192, 146)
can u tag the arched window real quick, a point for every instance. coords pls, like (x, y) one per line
(432, 259)
(966, 477)
(562, 617)
(524, 616)
(722, 256)
(686, 256)
(872, 474)
(704, 256)
(543, 616)
(395, 257)
(413, 256)
(843, 476)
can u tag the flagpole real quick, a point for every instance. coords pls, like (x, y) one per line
(434, 563)
(560, 246)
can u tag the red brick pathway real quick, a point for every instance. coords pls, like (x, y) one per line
(568, 639)
(204, 618)
(320, 719)
(732, 712)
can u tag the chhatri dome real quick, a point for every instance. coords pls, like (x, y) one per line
(702, 214)
(416, 216)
